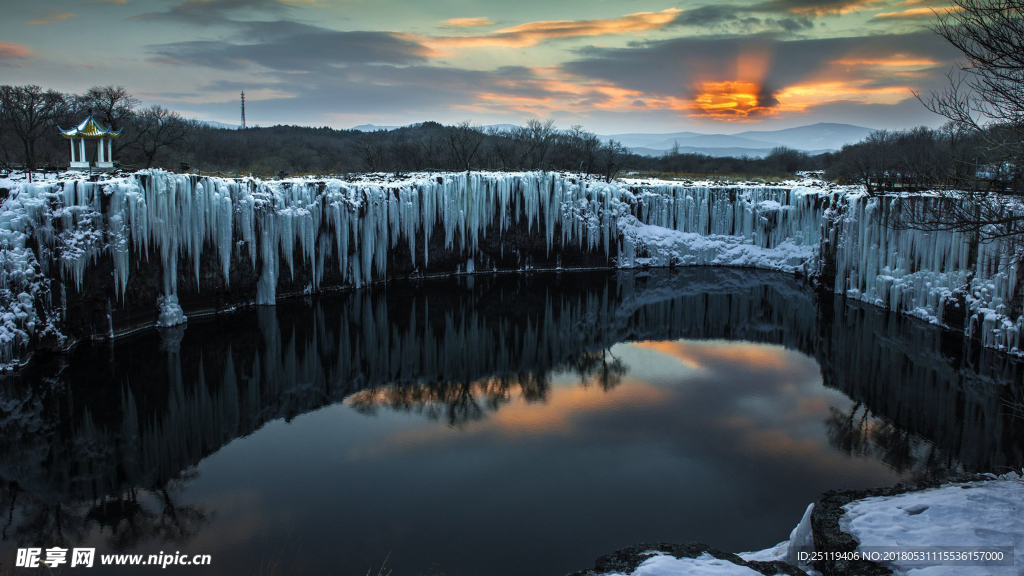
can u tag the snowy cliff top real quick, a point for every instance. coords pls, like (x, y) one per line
(17, 178)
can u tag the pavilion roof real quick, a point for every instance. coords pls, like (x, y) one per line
(89, 128)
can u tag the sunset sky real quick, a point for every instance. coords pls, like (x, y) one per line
(611, 65)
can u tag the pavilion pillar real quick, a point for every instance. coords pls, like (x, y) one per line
(100, 152)
(81, 150)
(72, 141)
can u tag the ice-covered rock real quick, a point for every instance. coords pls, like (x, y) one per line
(157, 240)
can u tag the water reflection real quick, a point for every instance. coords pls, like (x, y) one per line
(459, 402)
(553, 391)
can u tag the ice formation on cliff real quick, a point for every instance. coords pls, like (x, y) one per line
(53, 232)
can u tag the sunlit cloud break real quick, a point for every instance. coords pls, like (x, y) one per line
(925, 12)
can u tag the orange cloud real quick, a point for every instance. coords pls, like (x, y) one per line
(723, 100)
(566, 403)
(697, 354)
(729, 99)
(52, 17)
(533, 33)
(896, 61)
(918, 12)
(802, 96)
(10, 50)
(469, 22)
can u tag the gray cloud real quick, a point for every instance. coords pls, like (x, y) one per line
(709, 15)
(205, 12)
(417, 92)
(731, 18)
(326, 71)
(810, 7)
(794, 24)
(291, 46)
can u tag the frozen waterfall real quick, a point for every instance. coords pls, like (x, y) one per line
(86, 259)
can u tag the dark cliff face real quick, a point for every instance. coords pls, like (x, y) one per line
(94, 312)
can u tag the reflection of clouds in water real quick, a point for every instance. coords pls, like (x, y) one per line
(715, 353)
(756, 400)
(560, 414)
(728, 402)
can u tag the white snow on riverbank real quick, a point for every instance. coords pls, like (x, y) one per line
(703, 565)
(986, 513)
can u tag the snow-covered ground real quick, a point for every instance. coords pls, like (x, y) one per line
(703, 565)
(986, 513)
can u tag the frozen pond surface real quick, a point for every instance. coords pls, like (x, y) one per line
(491, 425)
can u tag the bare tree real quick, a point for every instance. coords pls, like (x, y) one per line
(115, 106)
(430, 148)
(984, 97)
(504, 150)
(960, 152)
(464, 141)
(853, 164)
(405, 153)
(28, 112)
(782, 159)
(371, 150)
(538, 137)
(985, 94)
(579, 149)
(158, 128)
(610, 159)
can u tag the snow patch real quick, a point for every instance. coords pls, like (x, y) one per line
(984, 513)
(703, 565)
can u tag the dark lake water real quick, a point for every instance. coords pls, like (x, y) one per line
(491, 425)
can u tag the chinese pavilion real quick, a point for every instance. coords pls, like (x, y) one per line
(90, 129)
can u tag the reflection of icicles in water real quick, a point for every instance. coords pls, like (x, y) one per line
(456, 352)
(248, 240)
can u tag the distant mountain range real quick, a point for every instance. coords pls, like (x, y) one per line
(718, 151)
(215, 124)
(376, 128)
(814, 139)
(373, 128)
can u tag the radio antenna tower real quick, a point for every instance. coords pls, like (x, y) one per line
(243, 109)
